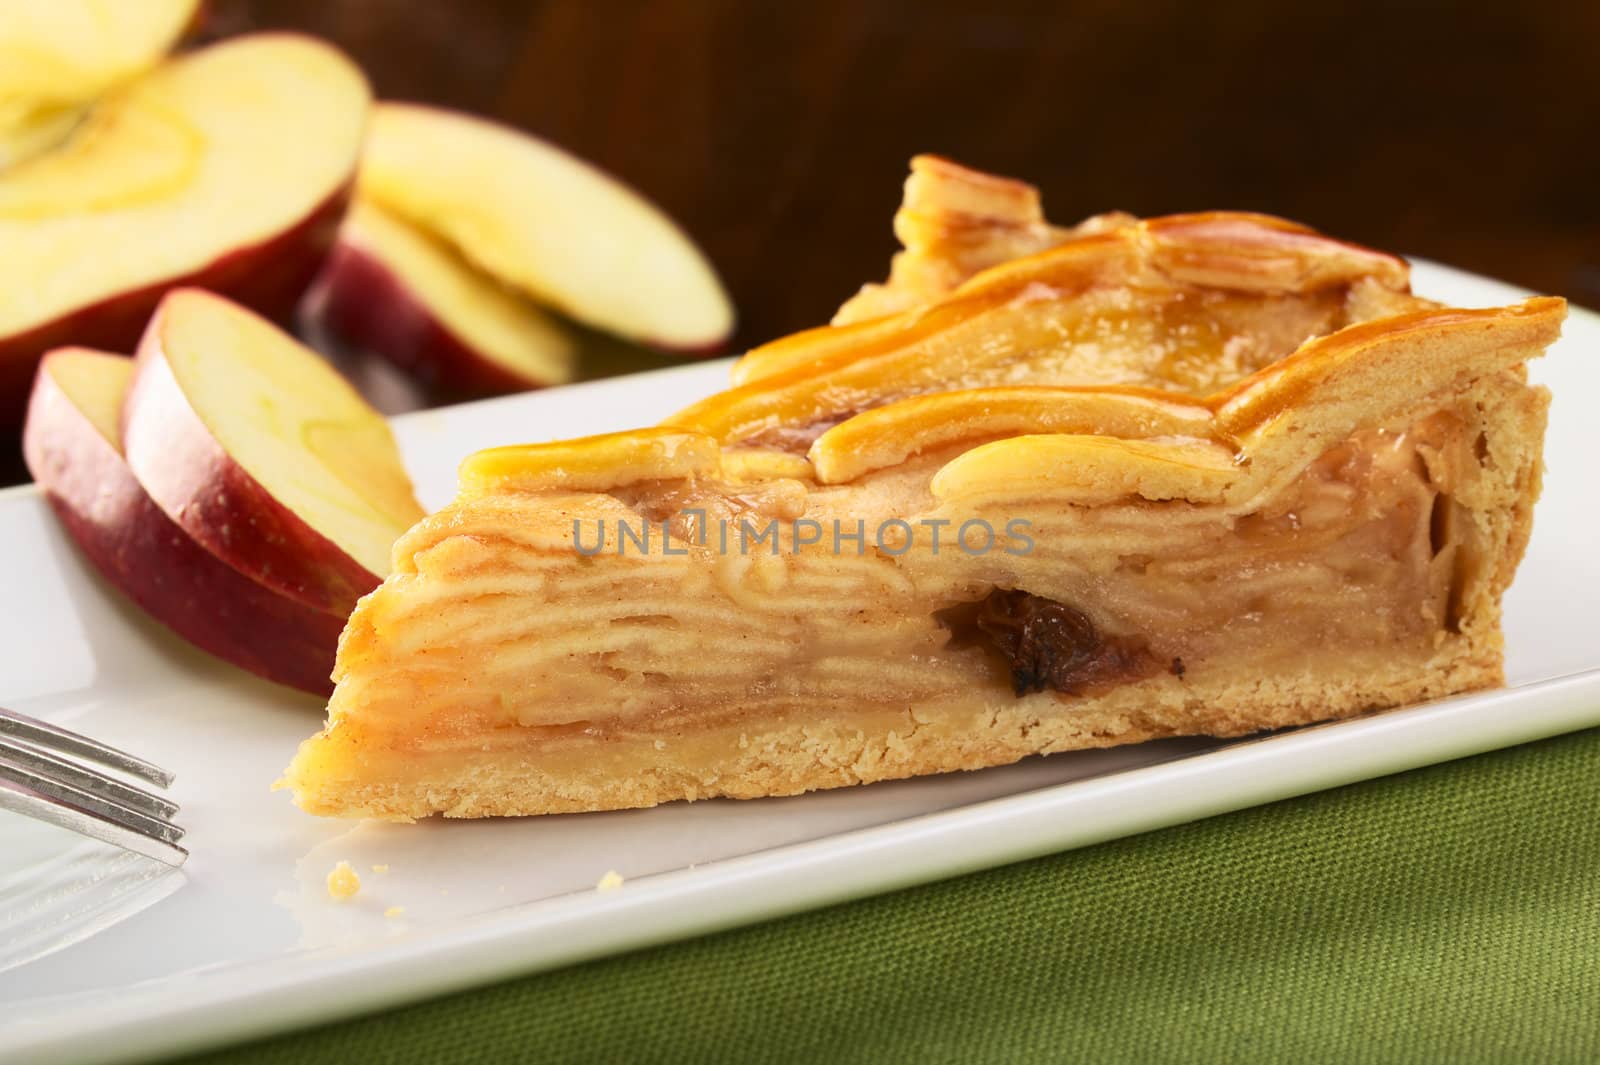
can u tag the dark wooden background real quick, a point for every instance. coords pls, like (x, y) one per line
(778, 132)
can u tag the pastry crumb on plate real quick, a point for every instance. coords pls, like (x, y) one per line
(343, 883)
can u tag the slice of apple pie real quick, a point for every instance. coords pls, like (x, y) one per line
(1047, 489)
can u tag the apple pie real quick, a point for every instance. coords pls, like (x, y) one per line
(1045, 489)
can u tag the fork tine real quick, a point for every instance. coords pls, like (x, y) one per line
(98, 784)
(42, 783)
(37, 782)
(67, 815)
(22, 727)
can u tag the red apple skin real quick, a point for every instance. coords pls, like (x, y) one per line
(213, 499)
(367, 306)
(137, 548)
(269, 277)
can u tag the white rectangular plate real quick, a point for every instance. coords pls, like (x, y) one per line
(106, 957)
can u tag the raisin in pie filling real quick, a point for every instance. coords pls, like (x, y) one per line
(1201, 475)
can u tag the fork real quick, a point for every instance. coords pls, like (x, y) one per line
(38, 782)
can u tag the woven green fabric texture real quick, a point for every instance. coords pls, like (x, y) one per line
(1450, 914)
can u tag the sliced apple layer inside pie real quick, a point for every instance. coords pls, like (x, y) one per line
(1046, 489)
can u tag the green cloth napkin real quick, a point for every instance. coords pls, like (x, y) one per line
(1448, 914)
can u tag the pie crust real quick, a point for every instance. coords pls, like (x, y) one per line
(1227, 475)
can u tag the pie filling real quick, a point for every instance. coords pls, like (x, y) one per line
(1365, 553)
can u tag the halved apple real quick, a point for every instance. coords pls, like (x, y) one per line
(546, 223)
(392, 289)
(227, 167)
(56, 56)
(74, 449)
(259, 450)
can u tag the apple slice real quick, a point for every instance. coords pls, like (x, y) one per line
(73, 447)
(58, 55)
(547, 223)
(36, 131)
(259, 450)
(392, 289)
(228, 167)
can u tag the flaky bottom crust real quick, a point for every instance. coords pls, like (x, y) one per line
(787, 753)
